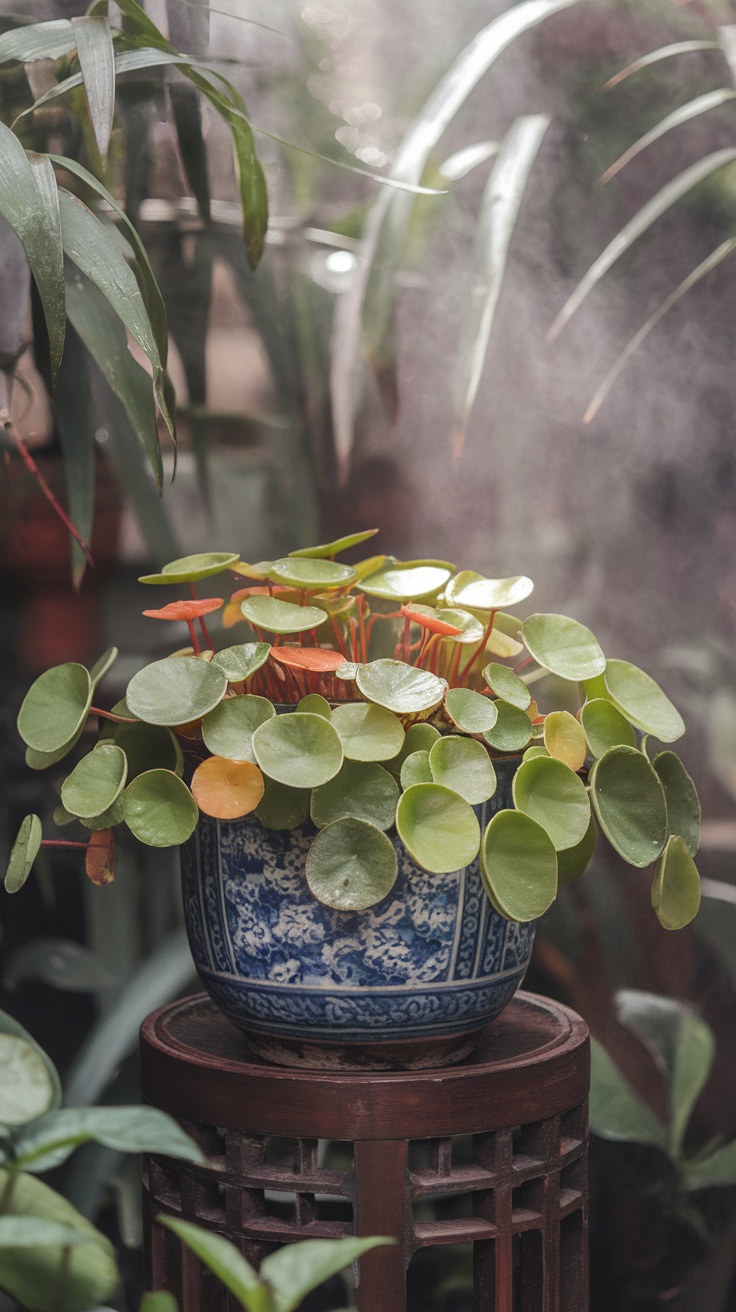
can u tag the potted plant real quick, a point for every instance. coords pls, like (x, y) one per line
(373, 808)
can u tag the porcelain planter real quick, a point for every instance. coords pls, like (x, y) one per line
(407, 983)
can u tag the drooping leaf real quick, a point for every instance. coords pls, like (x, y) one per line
(277, 616)
(228, 730)
(50, 1140)
(507, 685)
(616, 1110)
(549, 792)
(308, 572)
(683, 114)
(605, 726)
(282, 807)
(363, 790)
(472, 591)
(368, 732)
(55, 707)
(96, 782)
(298, 749)
(238, 663)
(351, 865)
(326, 549)
(683, 805)
(629, 803)
(564, 737)
(37, 41)
(399, 687)
(159, 809)
(499, 211)
(512, 729)
(642, 701)
(463, 765)
(29, 201)
(96, 55)
(227, 789)
(224, 1260)
(572, 862)
(676, 885)
(518, 865)
(175, 690)
(438, 828)
(23, 853)
(563, 646)
(296, 1269)
(398, 582)
(100, 860)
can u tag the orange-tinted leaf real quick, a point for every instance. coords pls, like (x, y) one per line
(186, 610)
(100, 858)
(226, 789)
(321, 659)
(430, 622)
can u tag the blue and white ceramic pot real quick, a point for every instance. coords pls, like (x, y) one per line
(409, 982)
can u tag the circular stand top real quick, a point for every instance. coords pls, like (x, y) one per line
(531, 1062)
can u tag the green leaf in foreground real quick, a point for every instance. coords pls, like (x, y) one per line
(27, 1088)
(29, 1231)
(573, 861)
(549, 792)
(351, 865)
(415, 769)
(306, 572)
(22, 854)
(51, 1139)
(224, 1260)
(241, 661)
(363, 790)
(228, 729)
(438, 828)
(616, 1111)
(512, 729)
(159, 809)
(282, 807)
(368, 732)
(683, 805)
(471, 591)
(518, 865)
(463, 765)
(506, 684)
(175, 690)
(605, 726)
(298, 749)
(629, 802)
(55, 707)
(470, 711)
(190, 569)
(277, 616)
(400, 687)
(563, 646)
(642, 701)
(296, 1269)
(96, 781)
(676, 885)
(11, 1027)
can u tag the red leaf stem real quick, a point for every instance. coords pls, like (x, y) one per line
(478, 651)
(35, 472)
(108, 715)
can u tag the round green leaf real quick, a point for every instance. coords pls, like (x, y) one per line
(55, 708)
(472, 629)
(100, 667)
(175, 690)
(334, 548)
(418, 738)
(564, 737)
(22, 855)
(114, 815)
(43, 760)
(519, 866)
(470, 711)
(313, 704)
(532, 752)
(549, 792)
(347, 671)
(281, 616)
(512, 729)
(97, 780)
(507, 685)
(368, 733)
(438, 829)
(311, 572)
(642, 701)
(463, 765)
(188, 569)
(409, 582)
(363, 790)
(605, 726)
(26, 1088)
(282, 807)
(475, 592)
(148, 747)
(574, 861)
(629, 802)
(298, 749)
(683, 805)
(415, 769)
(563, 646)
(241, 661)
(351, 865)
(400, 687)
(676, 885)
(159, 809)
(228, 730)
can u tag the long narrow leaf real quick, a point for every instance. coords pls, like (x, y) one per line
(370, 301)
(711, 262)
(224, 1260)
(75, 421)
(693, 108)
(28, 202)
(638, 225)
(296, 1269)
(90, 247)
(189, 29)
(496, 222)
(48, 1141)
(96, 55)
(727, 39)
(38, 41)
(655, 56)
(133, 474)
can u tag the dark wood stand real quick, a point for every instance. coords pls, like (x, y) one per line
(519, 1182)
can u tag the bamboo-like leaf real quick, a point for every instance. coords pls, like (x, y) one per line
(638, 225)
(693, 109)
(655, 56)
(29, 202)
(76, 424)
(37, 41)
(499, 211)
(96, 254)
(189, 29)
(96, 55)
(705, 267)
(370, 300)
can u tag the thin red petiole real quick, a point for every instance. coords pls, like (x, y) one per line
(108, 715)
(193, 636)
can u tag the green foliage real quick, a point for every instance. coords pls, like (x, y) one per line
(311, 727)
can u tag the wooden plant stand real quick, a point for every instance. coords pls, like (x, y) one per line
(519, 1183)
